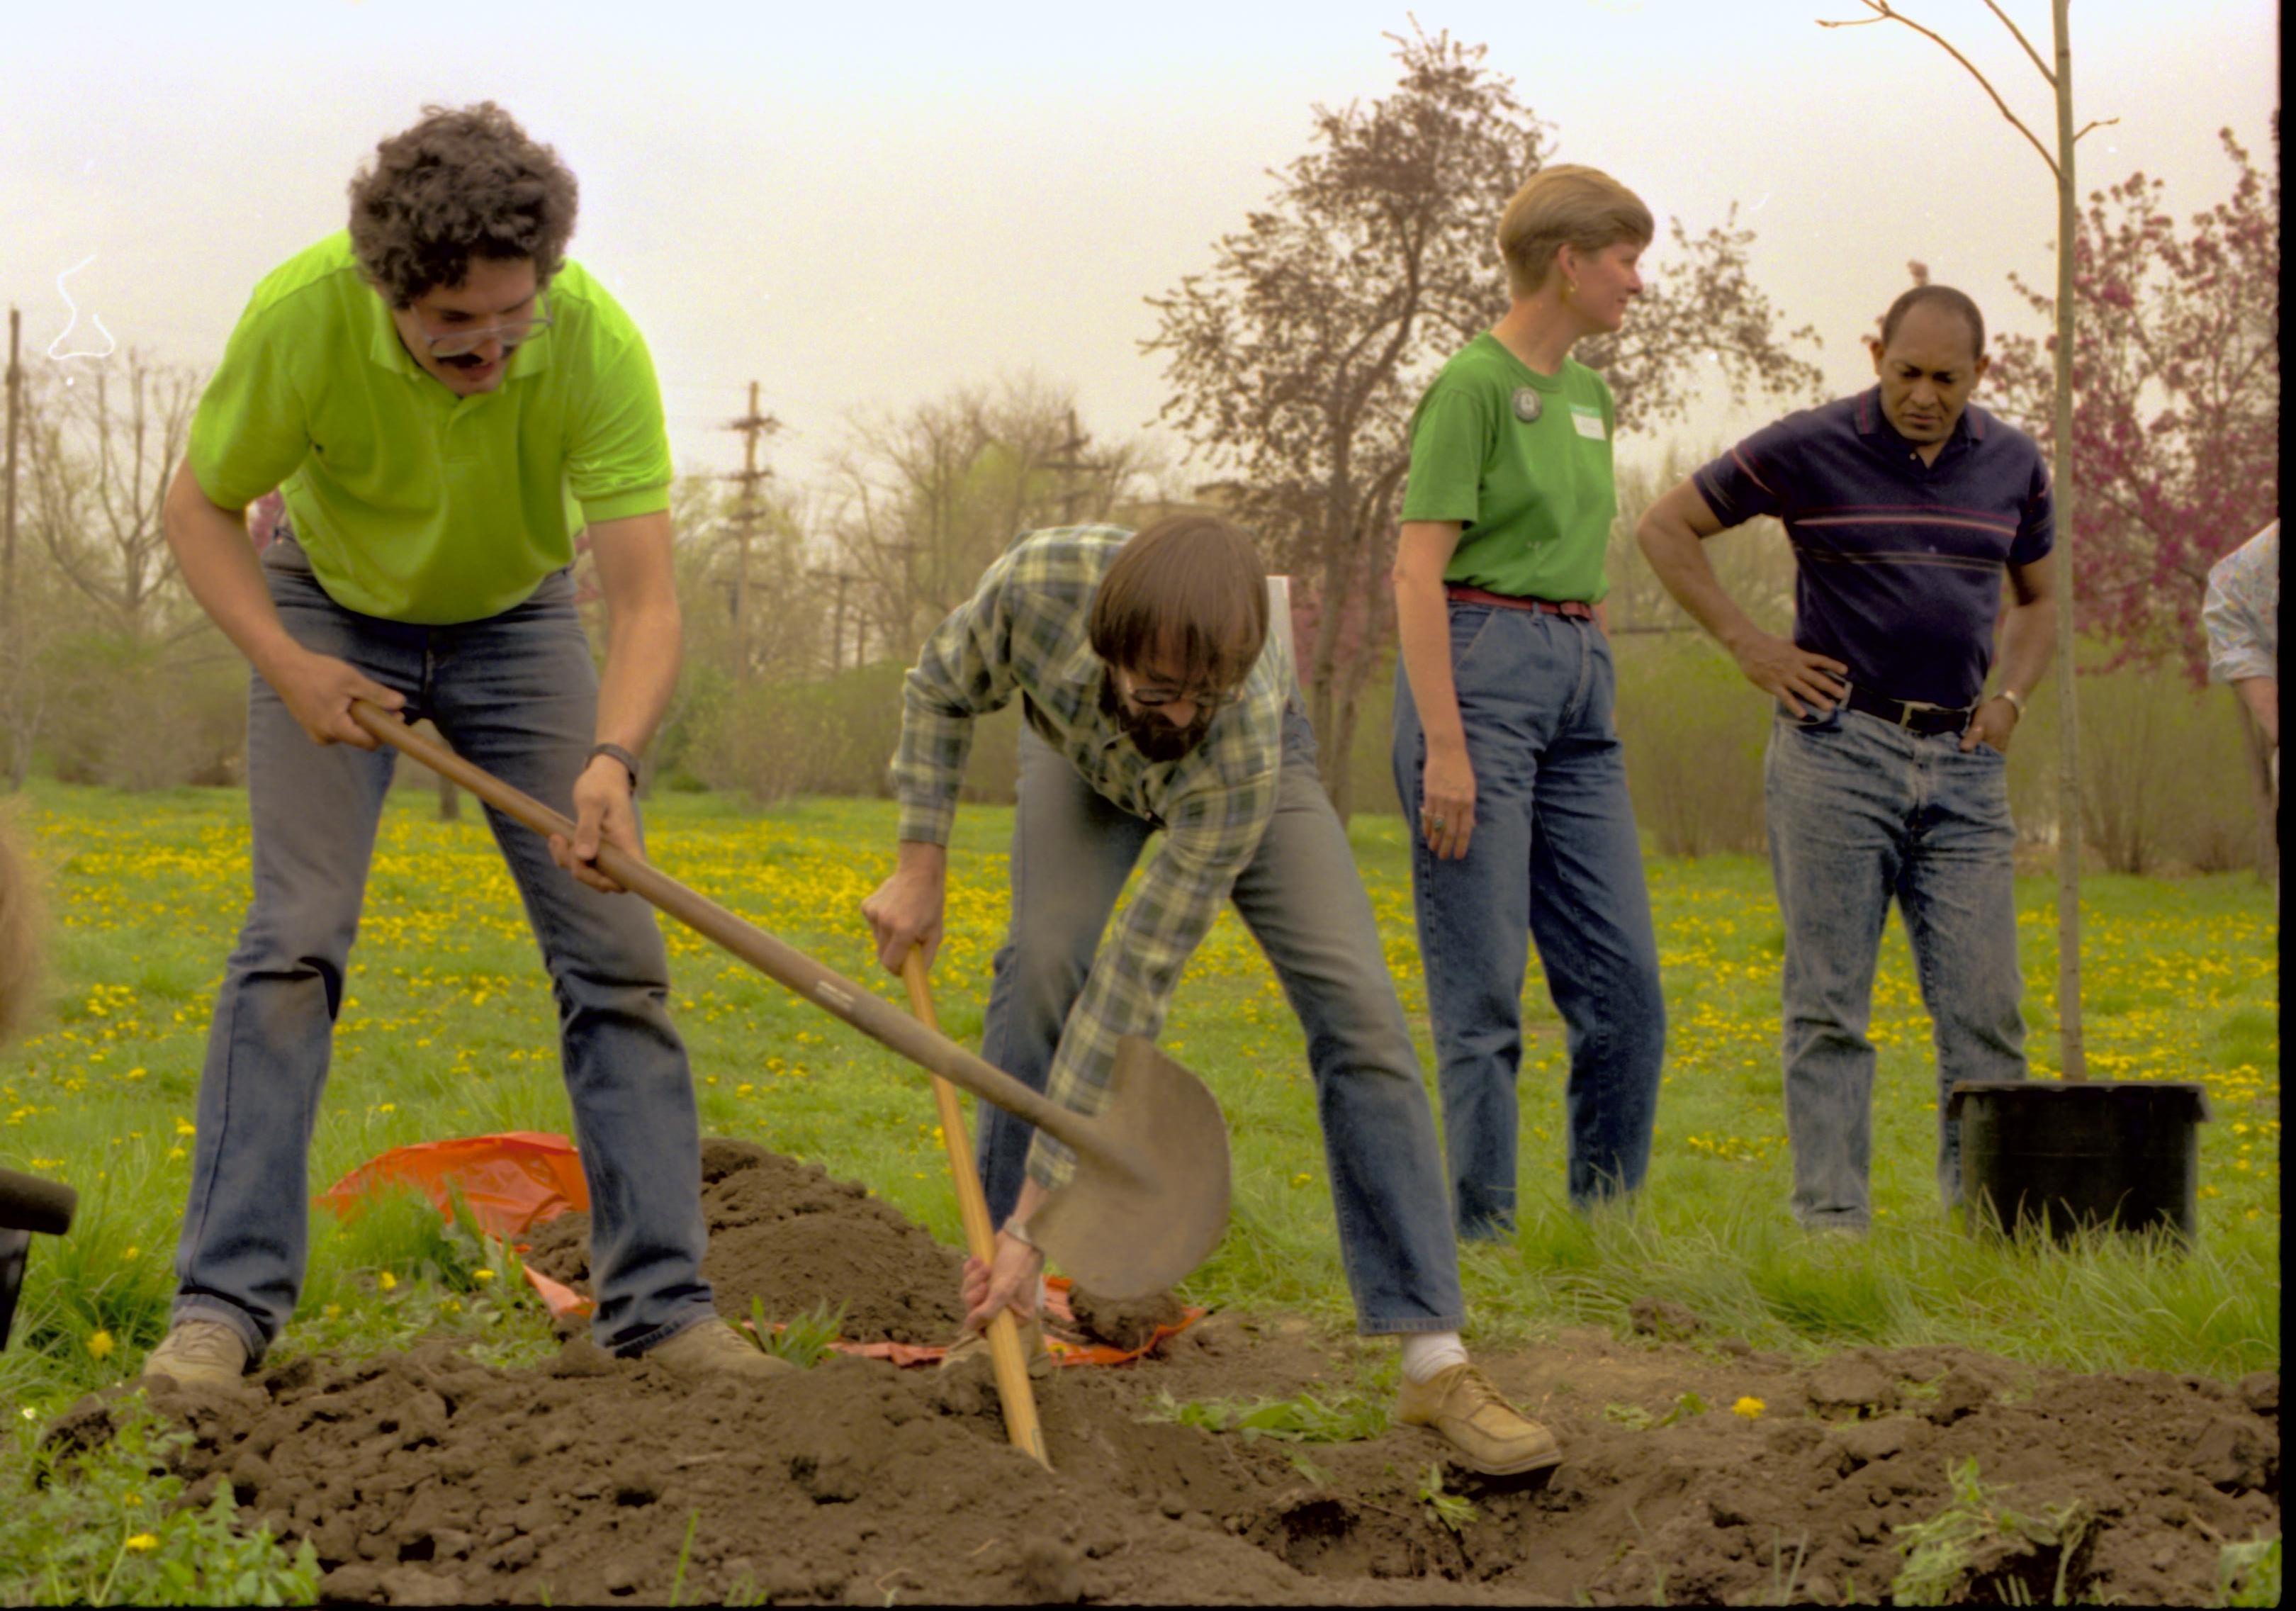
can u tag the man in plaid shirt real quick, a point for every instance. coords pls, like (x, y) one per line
(1156, 698)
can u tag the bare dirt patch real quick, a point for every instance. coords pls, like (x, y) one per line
(426, 1478)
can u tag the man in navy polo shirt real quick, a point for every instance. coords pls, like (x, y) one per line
(1885, 773)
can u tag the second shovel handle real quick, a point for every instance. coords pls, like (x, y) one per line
(1005, 1354)
(972, 1201)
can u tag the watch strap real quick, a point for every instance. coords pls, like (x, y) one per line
(630, 762)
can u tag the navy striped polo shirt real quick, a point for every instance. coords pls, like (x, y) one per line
(1897, 565)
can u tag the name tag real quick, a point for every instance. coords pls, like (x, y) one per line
(1588, 421)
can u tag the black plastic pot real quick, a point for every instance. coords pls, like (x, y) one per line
(2120, 1153)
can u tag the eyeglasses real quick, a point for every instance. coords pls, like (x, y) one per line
(510, 332)
(1203, 699)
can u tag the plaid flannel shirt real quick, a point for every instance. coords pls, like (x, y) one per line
(1025, 631)
(2241, 611)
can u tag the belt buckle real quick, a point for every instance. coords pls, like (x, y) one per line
(1908, 707)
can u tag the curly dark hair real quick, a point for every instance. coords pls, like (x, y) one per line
(463, 183)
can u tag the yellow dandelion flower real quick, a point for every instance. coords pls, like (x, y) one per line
(482, 1275)
(1749, 1406)
(99, 1344)
(183, 1126)
(386, 1281)
(143, 1543)
(127, 1255)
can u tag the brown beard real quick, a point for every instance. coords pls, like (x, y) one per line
(1156, 739)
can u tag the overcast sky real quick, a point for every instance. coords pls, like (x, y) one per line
(862, 206)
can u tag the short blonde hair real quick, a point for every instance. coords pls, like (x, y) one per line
(1571, 205)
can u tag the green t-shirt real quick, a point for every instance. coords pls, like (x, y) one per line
(415, 504)
(1535, 498)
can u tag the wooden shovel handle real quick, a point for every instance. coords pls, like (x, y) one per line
(1005, 1352)
(864, 1010)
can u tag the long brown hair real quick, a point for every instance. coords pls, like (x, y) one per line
(1190, 587)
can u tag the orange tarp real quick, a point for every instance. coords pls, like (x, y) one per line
(514, 1181)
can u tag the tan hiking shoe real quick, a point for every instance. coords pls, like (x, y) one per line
(1485, 1432)
(974, 1345)
(712, 1348)
(199, 1353)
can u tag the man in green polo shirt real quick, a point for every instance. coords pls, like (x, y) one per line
(446, 402)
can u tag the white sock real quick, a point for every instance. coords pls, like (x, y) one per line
(1427, 1355)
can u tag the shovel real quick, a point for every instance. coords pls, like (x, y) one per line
(1148, 1201)
(1005, 1354)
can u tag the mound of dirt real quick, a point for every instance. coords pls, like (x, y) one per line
(424, 1477)
(793, 1237)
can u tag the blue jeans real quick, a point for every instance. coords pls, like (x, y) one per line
(1860, 813)
(517, 695)
(1555, 859)
(1303, 900)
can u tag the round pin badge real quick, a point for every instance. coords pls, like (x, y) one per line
(1527, 405)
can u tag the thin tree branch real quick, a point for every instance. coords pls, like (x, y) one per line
(2095, 123)
(1884, 12)
(2043, 67)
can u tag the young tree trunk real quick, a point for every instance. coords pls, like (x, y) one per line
(2073, 1057)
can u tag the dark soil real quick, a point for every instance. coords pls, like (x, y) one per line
(426, 1478)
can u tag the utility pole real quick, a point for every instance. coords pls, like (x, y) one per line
(844, 579)
(1069, 464)
(751, 426)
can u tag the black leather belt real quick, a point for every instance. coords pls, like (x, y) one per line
(1912, 714)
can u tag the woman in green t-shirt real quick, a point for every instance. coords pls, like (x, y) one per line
(1506, 754)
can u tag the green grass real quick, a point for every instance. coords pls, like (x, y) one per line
(1346, 1416)
(1941, 1551)
(448, 1029)
(110, 1526)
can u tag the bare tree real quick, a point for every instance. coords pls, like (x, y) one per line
(102, 449)
(1296, 362)
(925, 499)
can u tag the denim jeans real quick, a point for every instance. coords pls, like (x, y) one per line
(1304, 901)
(1554, 857)
(517, 695)
(1862, 813)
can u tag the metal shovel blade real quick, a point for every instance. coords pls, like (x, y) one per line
(1150, 1202)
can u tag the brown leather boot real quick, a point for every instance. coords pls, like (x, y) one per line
(1486, 1435)
(712, 1348)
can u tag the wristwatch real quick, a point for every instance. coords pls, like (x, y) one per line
(630, 762)
(2016, 701)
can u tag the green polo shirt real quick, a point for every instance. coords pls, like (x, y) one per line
(1535, 498)
(415, 504)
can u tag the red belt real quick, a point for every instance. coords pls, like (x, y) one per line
(1575, 609)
